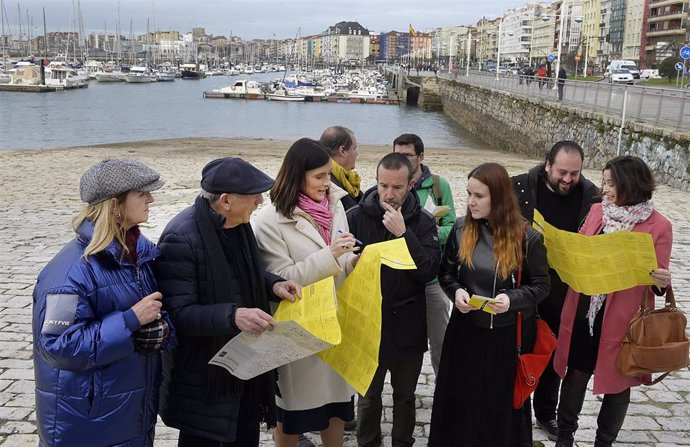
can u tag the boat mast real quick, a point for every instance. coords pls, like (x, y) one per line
(4, 52)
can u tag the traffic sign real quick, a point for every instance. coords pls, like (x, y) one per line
(679, 66)
(552, 58)
(685, 52)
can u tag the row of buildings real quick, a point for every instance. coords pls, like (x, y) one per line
(587, 33)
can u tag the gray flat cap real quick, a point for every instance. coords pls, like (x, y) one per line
(110, 178)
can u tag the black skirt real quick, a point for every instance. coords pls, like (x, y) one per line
(473, 400)
(296, 422)
(584, 348)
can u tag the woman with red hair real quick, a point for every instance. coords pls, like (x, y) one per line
(489, 249)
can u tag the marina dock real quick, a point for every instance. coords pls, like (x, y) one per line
(34, 88)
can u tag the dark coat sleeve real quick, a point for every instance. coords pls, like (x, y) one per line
(424, 248)
(269, 280)
(177, 271)
(536, 282)
(448, 271)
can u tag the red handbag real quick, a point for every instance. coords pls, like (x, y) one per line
(531, 366)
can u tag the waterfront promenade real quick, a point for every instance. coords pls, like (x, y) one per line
(40, 195)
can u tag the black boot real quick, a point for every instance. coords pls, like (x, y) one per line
(611, 417)
(569, 407)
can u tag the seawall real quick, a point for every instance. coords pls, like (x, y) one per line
(521, 124)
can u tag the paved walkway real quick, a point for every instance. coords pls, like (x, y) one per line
(40, 197)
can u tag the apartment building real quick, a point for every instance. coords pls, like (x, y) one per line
(345, 41)
(667, 29)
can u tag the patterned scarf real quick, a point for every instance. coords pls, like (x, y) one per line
(320, 214)
(616, 218)
(349, 179)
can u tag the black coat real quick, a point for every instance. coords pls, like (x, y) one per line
(182, 278)
(403, 325)
(347, 200)
(483, 280)
(526, 186)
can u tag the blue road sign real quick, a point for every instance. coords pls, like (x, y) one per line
(685, 52)
(552, 58)
(679, 66)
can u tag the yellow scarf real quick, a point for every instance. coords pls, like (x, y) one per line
(349, 179)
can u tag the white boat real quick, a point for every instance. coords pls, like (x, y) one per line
(64, 76)
(248, 70)
(5, 78)
(139, 75)
(110, 76)
(232, 72)
(282, 95)
(25, 73)
(165, 76)
(242, 89)
(363, 93)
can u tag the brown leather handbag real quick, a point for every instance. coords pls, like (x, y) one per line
(656, 341)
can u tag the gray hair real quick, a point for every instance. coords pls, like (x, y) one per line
(211, 197)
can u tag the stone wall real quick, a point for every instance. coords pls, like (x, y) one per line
(516, 123)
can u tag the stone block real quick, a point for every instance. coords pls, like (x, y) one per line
(20, 441)
(14, 413)
(17, 427)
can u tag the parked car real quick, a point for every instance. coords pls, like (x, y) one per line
(621, 76)
(650, 73)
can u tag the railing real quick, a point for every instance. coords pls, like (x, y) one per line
(658, 107)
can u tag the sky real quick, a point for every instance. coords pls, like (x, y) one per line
(251, 19)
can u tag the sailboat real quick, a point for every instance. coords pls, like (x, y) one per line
(5, 78)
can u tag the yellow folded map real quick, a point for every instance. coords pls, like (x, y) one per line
(482, 303)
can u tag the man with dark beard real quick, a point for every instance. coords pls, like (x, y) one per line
(559, 191)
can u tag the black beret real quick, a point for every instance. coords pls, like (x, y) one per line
(234, 175)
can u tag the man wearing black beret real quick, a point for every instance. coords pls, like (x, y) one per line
(215, 287)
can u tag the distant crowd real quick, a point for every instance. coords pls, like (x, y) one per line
(124, 329)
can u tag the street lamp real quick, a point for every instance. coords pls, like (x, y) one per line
(469, 45)
(563, 16)
(587, 39)
(498, 55)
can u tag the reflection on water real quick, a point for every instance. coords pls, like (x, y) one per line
(117, 112)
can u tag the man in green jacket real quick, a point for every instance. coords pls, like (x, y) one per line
(434, 195)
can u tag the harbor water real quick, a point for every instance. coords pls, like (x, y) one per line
(122, 112)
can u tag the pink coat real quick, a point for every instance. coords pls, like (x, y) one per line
(620, 308)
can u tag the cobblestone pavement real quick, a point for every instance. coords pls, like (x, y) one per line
(40, 195)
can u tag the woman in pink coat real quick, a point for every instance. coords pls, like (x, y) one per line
(592, 328)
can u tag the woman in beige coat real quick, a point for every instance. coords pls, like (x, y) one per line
(303, 236)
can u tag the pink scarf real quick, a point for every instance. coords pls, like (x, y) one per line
(320, 213)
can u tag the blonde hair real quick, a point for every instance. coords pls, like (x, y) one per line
(106, 225)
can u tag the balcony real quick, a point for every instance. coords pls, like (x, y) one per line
(667, 16)
(676, 31)
(657, 3)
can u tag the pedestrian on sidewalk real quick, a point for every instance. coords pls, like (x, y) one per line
(98, 327)
(562, 76)
(541, 76)
(303, 235)
(593, 327)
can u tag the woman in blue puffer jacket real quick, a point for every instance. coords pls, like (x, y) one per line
(97, 319)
